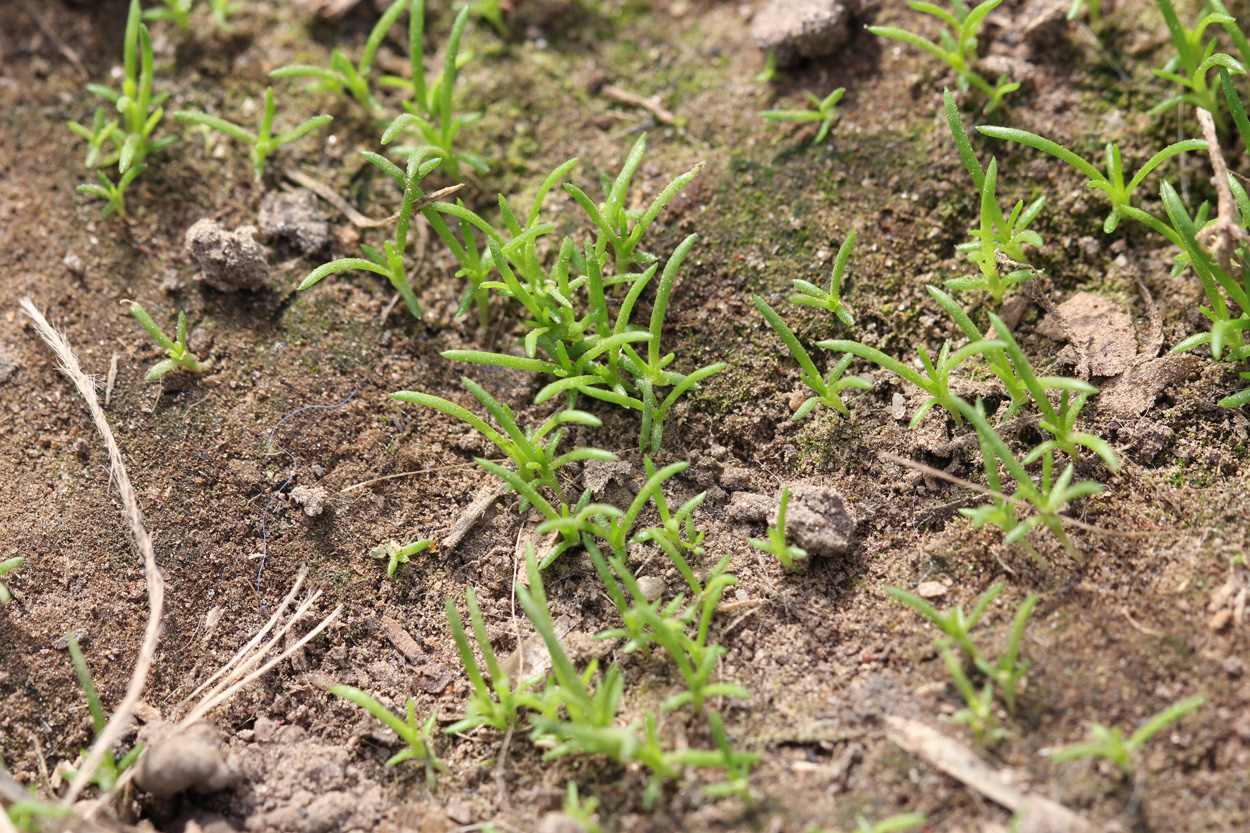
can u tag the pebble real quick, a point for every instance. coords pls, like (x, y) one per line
(930, 590)
(312, 498)
(652, 587)
(817, 520)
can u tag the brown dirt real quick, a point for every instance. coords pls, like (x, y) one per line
(826, 654)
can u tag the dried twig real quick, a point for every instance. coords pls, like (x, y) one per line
(70, 54)
(1226, 232)
(134, 520)
(349, 211)
(652, 105)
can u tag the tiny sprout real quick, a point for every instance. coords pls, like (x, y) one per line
(110, 769)
(823, 110)
(176, 349)
(264, 142)
(179, 11)
(769, 72)
(812, 295)
(1110, 743)
(397, 555)
(419, 738)
(776, 543)
(8, 566)
(583, 811)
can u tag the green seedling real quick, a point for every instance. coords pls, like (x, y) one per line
(262, 142)
(769, 72)
(584, 811)
(978, 715)
(893, 824)
(389, 263)
(498, 703)
(1047, 499)
(32, 815)
(1092, 7)
(1057, 421)
(110, 770)
(140, 112)
(8, 566)
(1111, 744)
(1110, 183)
(179, 11)
(997, 360)
(342, 77)
(935, 382)
(221, 11)
(828, 390)
(491, 11)
(776, 544)
(630, 600)
(418, 737)
(395, 555)
(809, 294)
(430, 110)
(986, 252)
(823, 110)
(625, 745)
(676, 534)
(737, 765)
(1009, 669)
(1235, 106)
(176, 349)
(957, 47)
(1193, 62)
(621, 228)
(956, 624)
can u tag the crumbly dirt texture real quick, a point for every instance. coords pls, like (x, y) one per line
(1140, 623)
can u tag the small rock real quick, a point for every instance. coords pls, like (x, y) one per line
(797, 29)
(930, 589)
(9, 365)
(228, 260)
(735, 478)
(74, 264)
(559, 823)
(817, 521)
(746, 507)
(898, 406)
(461, 812)
(652, 587)
(1045, 23)
(1220, 620)
(312, 498)
(190, 759)
(296, 218)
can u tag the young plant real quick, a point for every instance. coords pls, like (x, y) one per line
(629, 601)
(979, 712)
(811, 295)
(823, 110)
(956, 624)
(1047, 498)
(737, 765)
(8, 566)
(582, 810)
(395, 555)
(986, 253)
(769, 72)
(179, 11)
(140, 111)
(342, 77)
(491, 11)
(419, 738)
(935, 382)
(776, 543)
(957, 47)
(390, 261)
(1093, 7)
(1111, 744)
(430, 110)
(676, 534)
(262, 142)
(497, 704)
(176, 350)
(1110, 183)
(997, 360)
(221, 11)
(828, 390)
(109, 770)
(1192, 62)
(622, 228)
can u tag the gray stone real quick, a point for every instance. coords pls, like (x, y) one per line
(817, 520)
(189, 759)
(296, 218)
(798, 29)
(228, 260)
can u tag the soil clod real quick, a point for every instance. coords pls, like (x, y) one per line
(817, 520)
(295, 218)
(228, 260)
(798, 29)
(190, 759)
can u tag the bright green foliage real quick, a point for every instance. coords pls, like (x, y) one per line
(676, 534)
(1047, 498)
(8, 566)
(342, 77)
(109, 770)
(498, 703)
(140, 111)
(176, 349)
(997, 360)
(35, 815)
(997, 232)
(1227, 290)
(811, 295)
(629, 601)
(769, 72)
(1110, 743)
(935, 382)
(957, 45)
(262, 142)
(582, 811)
(179, 11)
(1094, 7)
(955, 624)
(390, 261)
(978, 714)
(776, 543)
(893, 824)
(622, 228)
(1193, 62)
(1235, 106)
(823, 110)
(737, 765)
(430, 109)
(221, 10)
(828, 390)
(1110, 183)
(396, 555)
(419, 738)
(1057, 421)
(491, 11)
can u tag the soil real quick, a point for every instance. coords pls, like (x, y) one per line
(1141, 622)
